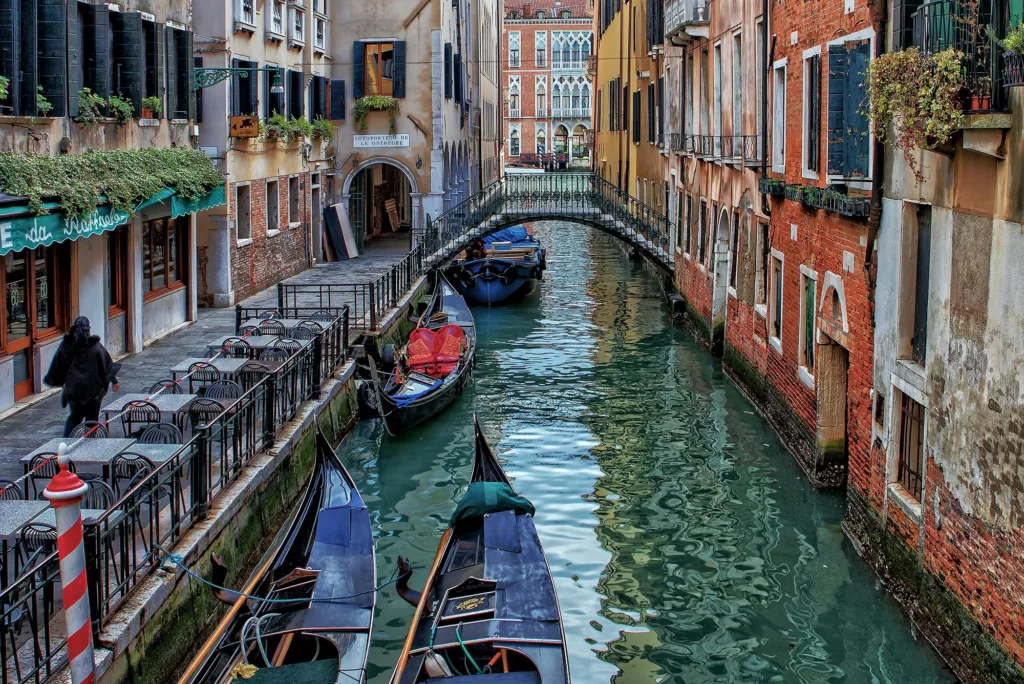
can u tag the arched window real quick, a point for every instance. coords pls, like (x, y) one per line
(542, 100)
(576, 97)
(541, 141)
(556, 53)
(514, 143)
(556, 98)
(586, 99)
(576, 58)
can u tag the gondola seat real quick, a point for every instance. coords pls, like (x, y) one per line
(436, 353)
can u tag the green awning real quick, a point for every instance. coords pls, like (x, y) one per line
(20, 229)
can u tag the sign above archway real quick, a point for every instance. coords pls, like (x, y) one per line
(381, 140)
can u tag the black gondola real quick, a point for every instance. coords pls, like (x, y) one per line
(318, 592)
(488, 608)
(433, 369)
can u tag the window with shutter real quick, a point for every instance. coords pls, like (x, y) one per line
(170, 49)
(152, 52)
(659, 119)
(448, 72)
(812, 113)
(95, 29)
(10, 53)
(358, 68)
(74, 57)
(398, 87)
(128, 57)
(458, 77)
(198, 64)
(337, 99)
(27, 75)
(274, 103)
(295, 93)
(849, 138)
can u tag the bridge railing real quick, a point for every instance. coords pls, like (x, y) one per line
(580, 195)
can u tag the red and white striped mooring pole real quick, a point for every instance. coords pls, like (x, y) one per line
(65, 492)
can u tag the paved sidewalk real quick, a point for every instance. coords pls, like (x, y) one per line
(24, 431)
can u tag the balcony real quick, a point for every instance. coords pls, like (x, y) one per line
(515, 113)
(729, 149)
(569, 64)
(687, 20)
(964, 26)
(570, 112)
(592, 66)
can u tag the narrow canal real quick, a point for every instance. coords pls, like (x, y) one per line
(686, 545)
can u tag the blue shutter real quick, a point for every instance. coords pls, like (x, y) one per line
(254, 89)
(858, 138)
(448, 85)
(10, 55)
(128, 57)
(337, 99)
(29, 76)
(458, 77)
(197, 63)
(358, 68)
(96, 53)
(74, 41)
(838, 70)
(398, 82)
(236, 88)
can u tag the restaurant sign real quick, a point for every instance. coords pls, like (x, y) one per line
(381, 140)
(28, 232)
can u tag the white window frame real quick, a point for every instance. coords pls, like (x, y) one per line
(296, 13)
(242, 21)
(776, 341)
(541, 129)
(717, 96)
(894, 489)
(273, 227)
(806, 113)
(779, 117)
(515, 128)
(247, 239)
(294, 221)
(805, 373)
(515, 41)
(737, 86)
(276, 31)
(540, 39)
(867, 34)
(320, 44)
(733, 264)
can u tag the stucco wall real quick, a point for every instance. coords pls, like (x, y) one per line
(163, 313)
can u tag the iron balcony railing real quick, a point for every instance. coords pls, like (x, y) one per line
(571, 112)
(514, 113)
(1013, 70)
(966, 27)
(680, 13)
(567, 64)
(733, 149)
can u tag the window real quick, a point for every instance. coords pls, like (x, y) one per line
(117, 270)
(759, 79)
(776, 301)
(273, 206)
(243, 211)
(679, 222)
(380, 68)
(651, 137)
(849, 135)
(734, 239)
(514, 103)
(272, 102)
(514, 46)
(761, 267)
(514, 142)
(33, 55)
(688, 226)
(320, 33)
(246, 12)
(779, 119)
(717, 132)
(636, 117)
(702, 229)
(178, 48)
(297, 27)
(277, 18)
(541, 48)
(295, 93)
(914, 282)
(162, 254)
(910, 466)
(812, 114)
(807, 317)
(244, 91)
(294, 201)
(737, 84)
(705, 99)
(542, 101)
(541, 138)
(688, 87)
(153, 57)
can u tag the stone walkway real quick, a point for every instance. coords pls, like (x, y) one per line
(22, 432)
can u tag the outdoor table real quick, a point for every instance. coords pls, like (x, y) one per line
(256, 342)
(87, 452)
(175, 405)
(157, 453)
(227, 367)
(49, 517)
(13, 516)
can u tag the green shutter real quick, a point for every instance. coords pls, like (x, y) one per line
(858, 138)
(10, 54)
(128, 49)
(236, 88)
(28, 48)
(74, 42)
(809, 309)
(172, 72)
(838, 69)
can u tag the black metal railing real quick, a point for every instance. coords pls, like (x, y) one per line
(367, 303)
(1013, 70)
(965, 26)
(33, 644)
(334, 336)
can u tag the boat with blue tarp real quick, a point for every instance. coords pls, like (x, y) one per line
(305, 615)
(504, 266)
(488, 610)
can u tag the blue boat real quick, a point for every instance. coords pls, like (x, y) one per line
(501, 267)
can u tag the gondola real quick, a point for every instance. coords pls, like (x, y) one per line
(432, 370)
(488, 608)
(502, 267)
(318, 590)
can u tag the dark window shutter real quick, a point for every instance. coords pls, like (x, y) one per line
(337, 99)
(358, 69)
(172, 72)
(295, 94)
(650, 112)
(236, 88)
(321, 96)
(96, 57)
(268, 79)
(28, 49)
(858, 140)
(622, 108)
(128, 57)
(275, 102)
(187, 77)
(636, 116)
(448, 85)
(197, 63)
(74, 40)
(52, 55)
(254, 89)
(814, 112)
(458, 77)
(10, 55)
(838, 69)
(398, 86)
(661, 102)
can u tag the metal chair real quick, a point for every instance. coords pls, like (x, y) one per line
(323, 315)
(269, 315)
(44, 466)
(250, 374)
(10, 491)
(99, 496)
(166, 387)
(91, 429)
(236, 347)
(274, 354)
(304, 332)
(138, 414)
(272, 327)
(33, 537)
(223, 389)
(246, 330)
(202, 411)
(126, 466)
(161, 433)
(287, 343)
(201, 374)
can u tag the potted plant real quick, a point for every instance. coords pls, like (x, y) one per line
(90, 107)
(42, 104)
(300, 129)
(152, 107)
(4, 82)
(376, 103)
(121, 109)
(275, 128)
(323, 129)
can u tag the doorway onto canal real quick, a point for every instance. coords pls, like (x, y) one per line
(383, 201)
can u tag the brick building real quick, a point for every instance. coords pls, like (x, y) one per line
(548, 94)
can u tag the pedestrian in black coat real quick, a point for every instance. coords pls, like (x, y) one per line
(84, 369)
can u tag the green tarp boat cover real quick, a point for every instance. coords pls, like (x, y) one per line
(489, 497)
(317, 671)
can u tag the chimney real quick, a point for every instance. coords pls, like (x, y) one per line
(527, 10)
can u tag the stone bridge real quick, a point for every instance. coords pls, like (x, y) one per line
(522, 197)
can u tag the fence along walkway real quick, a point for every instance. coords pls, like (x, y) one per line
(576, 197)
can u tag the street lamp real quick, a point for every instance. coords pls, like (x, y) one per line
(204, 77)
(276, 88)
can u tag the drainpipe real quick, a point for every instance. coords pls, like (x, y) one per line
(879, 10)
(764, 89)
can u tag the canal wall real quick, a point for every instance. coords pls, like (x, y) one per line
(153, 637)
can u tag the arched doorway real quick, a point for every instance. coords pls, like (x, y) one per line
(721, 255)
(382, 201)
(446, 178)
(580, 153)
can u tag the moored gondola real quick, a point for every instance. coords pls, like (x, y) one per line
(305, 615)
(432, 370)
(502, 267)
(488, 608)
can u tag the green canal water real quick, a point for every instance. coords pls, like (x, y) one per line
(686, 545)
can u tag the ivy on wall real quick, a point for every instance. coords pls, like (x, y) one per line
(79, 182)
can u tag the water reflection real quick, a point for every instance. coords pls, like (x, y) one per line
(686, 546)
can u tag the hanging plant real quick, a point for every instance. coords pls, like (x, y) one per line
(376, 103)
(323, 129)
(80, 182)
(915, 100)
(4, 82)
(42, 104)
(1013, 42)
(90, 107)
